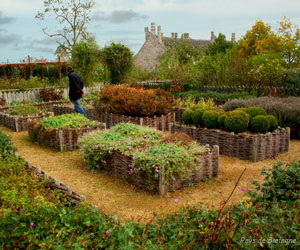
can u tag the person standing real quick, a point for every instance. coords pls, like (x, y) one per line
(75, 90)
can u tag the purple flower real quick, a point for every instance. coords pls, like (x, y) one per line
(176, 200)
(31, 224)
(174, 179)
(104, 162)
(107, 232)
(243, 190)
(147, 164)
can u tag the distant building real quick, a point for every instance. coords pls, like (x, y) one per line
(156, 44)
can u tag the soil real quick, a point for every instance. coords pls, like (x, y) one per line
(112, 195)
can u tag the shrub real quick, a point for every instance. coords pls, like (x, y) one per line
(254, 111)
(273, 122)
(187, 116)
(221, 122)
(210, 118)
(197, 116)
(259, 124)
(51, 94)
(135, 102)
(23, 110)
(6, 146)
(236, 121)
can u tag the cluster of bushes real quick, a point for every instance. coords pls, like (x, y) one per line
(286, 110)
(254, 119)
(149, 149)
(136, 101)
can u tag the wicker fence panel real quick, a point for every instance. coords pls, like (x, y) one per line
(207, 167)
(62, 139)
(243, 146)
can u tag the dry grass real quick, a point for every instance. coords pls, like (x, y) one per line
(113, 195)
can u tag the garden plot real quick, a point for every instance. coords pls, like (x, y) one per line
(62, 132)
(152, 160)
(17, 118)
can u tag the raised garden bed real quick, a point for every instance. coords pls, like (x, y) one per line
(159, 122)
(68, 108)
(17, 120)
(62, 137)
(245, 146)
(152, 160)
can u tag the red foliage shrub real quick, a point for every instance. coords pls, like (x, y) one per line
(51, 94)
(175, 87)
(136, 102)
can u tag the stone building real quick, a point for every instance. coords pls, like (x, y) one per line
(156, 44)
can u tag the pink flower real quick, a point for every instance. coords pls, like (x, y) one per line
(243, 190)
(107, 232)
(31, 224)
(147, 164)
(174, 179)
(176, 200)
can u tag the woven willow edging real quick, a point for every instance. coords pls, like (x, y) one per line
(19, 123)
(61, 110)
(243, 146)
(61, 139)
(158, 122)
(207, 167)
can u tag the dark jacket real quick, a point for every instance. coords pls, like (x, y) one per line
(76, 86)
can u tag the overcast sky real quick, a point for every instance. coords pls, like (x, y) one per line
(124, 21)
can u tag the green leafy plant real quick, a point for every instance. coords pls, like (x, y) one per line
(210, 119)
(255, 111)
(74, 120)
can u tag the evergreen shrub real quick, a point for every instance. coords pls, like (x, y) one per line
(210, 119)
(187, 116)
(273, 122)
(254, 111)
(236, 121)
(260, 124)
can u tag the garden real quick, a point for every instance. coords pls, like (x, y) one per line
(207, 158)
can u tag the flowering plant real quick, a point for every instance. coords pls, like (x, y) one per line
(148, 149)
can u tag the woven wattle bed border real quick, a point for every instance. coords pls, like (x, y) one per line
(207, 167)
(245, 146)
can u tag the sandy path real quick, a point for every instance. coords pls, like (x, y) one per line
(112, 195)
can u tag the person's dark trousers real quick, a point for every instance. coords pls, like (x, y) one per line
(78, 108)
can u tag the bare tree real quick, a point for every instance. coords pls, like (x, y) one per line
(72, 17)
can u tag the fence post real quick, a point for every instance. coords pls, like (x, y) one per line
(61, 140)
(254, 148)
(162, 186)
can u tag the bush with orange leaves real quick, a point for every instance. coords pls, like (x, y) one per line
(136, 101)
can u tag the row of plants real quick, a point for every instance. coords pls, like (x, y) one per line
(135, 101)
(253, 119)
(149, 149)
(217, 97)
(286, 110)
(34, 217)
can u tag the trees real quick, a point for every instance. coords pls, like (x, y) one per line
(260, 39)
(72, 17)
(118, 59)
(85, 58)
(220, 45)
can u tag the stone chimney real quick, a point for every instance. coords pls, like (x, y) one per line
(233, 37)
(153, 28)
(212, 36)
(159, 34)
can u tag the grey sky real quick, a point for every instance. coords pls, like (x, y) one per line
(124, 21)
